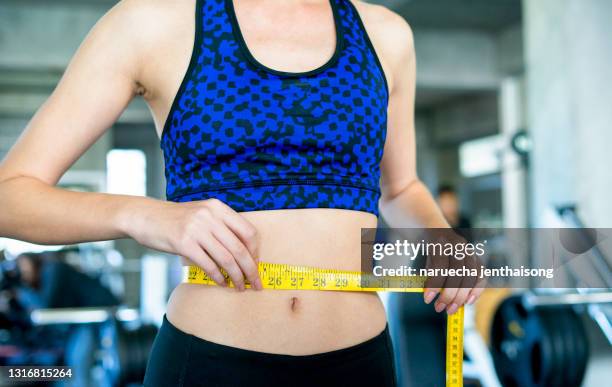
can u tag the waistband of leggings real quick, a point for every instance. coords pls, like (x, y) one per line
(369, 347)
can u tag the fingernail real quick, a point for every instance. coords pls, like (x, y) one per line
(257, 284)
(429, 296)
(452, 309)
(440, 307)
(471, 300)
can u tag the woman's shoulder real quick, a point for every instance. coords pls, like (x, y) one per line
(380, 20)
(145, 19)
(143, 31)
(390, 33)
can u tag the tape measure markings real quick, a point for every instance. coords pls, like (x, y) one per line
(279, 276)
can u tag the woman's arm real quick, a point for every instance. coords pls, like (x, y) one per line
(405, 201)
(96, 87)
(98, 84)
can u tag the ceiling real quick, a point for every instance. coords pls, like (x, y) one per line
(473, 14)
(490, 15)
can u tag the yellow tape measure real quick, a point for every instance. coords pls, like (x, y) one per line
(289, 277)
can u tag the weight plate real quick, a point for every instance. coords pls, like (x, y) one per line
(520, 352)
(577, 340)
(553, 331)
(542, 347)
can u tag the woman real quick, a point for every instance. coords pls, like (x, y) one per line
(273, 117)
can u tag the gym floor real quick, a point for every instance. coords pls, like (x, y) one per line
(513, 131)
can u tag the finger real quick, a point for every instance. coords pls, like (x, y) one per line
(429, 294)
(464, 283)
(451, 287)
(433, 284)
(446, 297)
(240, 253)
(203, 260)
(225, 259)
(470, 265)
(245, 231)
(432, 287)
(476, 292)
(458, 301)
(241, 227)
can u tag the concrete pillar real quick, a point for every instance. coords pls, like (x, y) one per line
(513, 174)
(568, 55)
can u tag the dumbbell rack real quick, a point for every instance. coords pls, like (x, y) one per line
(538, 336)
(123, 341)
(597, 302)
(82, 315)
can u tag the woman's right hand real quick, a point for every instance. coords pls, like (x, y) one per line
(208, 232)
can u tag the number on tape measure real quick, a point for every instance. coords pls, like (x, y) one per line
(454, 349)
(289, 277)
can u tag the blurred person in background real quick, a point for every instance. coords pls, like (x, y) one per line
(51, 283)
(449, 204)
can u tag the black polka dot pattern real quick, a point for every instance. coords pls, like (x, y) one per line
(261, 140)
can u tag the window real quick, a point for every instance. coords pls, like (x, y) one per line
(126, 172)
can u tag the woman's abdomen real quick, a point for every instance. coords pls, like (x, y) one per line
(297, 322)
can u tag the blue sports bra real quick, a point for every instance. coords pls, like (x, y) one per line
(261, 139)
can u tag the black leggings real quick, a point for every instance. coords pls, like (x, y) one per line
(180, 359)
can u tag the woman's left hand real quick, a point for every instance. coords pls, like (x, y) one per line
(453, 291)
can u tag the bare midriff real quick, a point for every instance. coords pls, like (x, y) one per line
(295, 322)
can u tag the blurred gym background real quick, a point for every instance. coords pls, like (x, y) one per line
(513, 116)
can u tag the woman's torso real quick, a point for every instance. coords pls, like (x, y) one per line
(293, 322)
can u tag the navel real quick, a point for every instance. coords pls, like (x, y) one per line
(294, 304)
